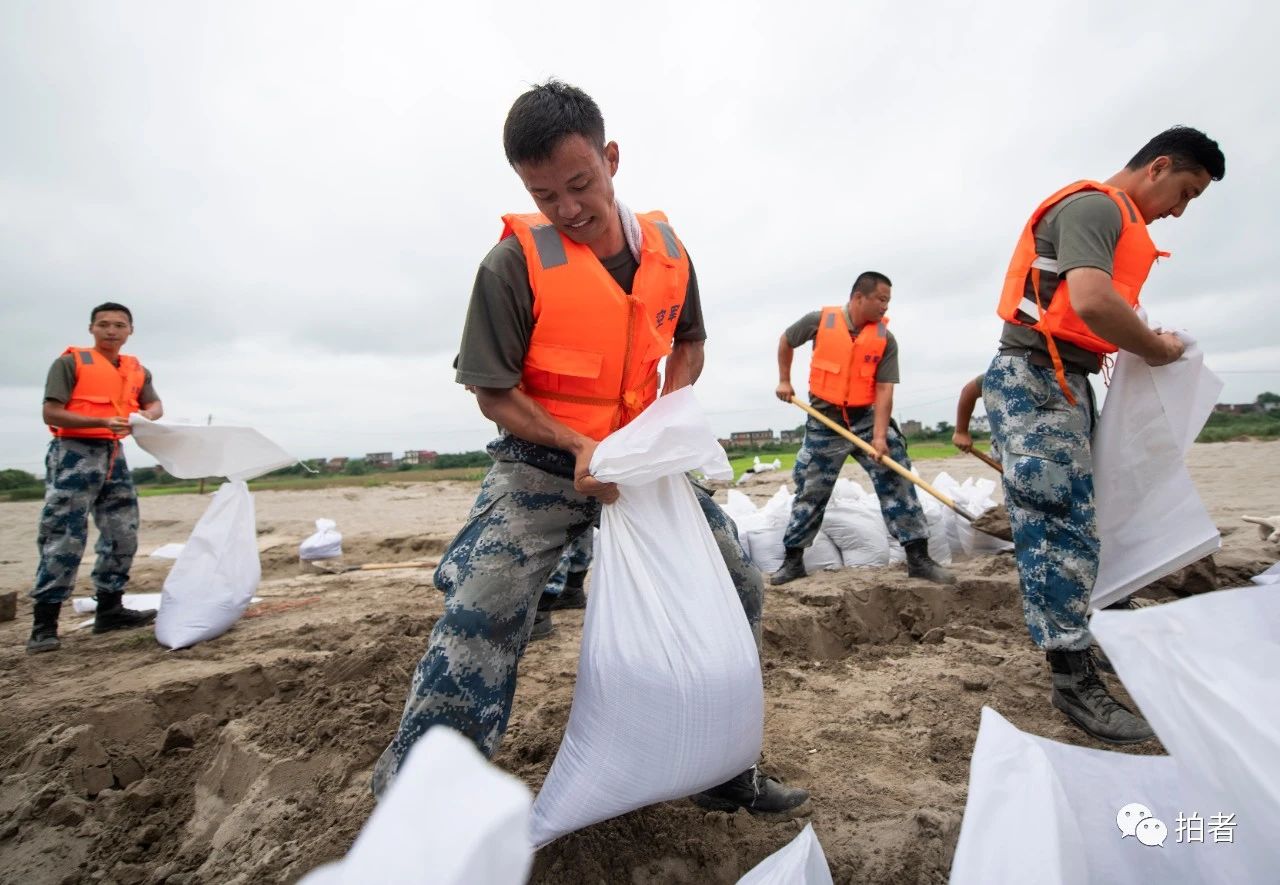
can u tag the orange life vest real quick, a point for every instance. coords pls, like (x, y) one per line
(592, 361)
(843, 368)
(1134, 255)
(102, 390)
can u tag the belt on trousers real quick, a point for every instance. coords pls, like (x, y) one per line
(1041, 359)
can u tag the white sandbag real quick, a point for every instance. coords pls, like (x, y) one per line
(669, 699)
(326, 543)
(166, 551)
(413, 837)
(1151, 521)
(976, 497)
(946, 483)
(135, 601)
(213, 579)
(738, 505)
(857, 528)
(1051, 814)
(193, 451)
(765, 532)
(822, 555)
(799, 862)
(1203, 671)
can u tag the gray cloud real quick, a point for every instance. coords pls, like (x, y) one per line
(294, 205)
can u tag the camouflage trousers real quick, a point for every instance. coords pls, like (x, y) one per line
(492, 575)
(818, 465)
(77, 484)
(575, 559)
(1046, 451)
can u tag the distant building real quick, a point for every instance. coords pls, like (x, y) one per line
(418, 456)
(724, 443)
(791, 436)
(380, 459)
(751, 438)
(980, 424)
(1236, 408)
(911, 428)
(336, 465)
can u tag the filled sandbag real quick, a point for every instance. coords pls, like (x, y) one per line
(822, 555)
(976, 497)
(854, 523)
(326, 543)
(799, 862)
(765, 531)
(669, 699)
(213, 579)
(1151, 521)
(414, 838)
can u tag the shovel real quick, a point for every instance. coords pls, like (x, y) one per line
(885, 460)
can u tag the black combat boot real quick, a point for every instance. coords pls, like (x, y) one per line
(572, 596)
(921, 565)
(1078, 691)
(792, 567)
(542, 625)
(44, 628)
(112, 615)
(754, 792)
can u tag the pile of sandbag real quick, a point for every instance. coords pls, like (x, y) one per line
(762, 531)
(976, 497)
(853, 532)
(669, 699)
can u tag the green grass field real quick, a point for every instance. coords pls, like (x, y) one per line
(919, 451)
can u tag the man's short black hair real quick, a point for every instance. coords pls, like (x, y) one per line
(110, 305)
(867, 282)
(1188, 148)
(544, 115)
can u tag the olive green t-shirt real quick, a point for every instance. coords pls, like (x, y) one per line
(61, 380)
(500, 316)
(805, 329)
(1080, 231)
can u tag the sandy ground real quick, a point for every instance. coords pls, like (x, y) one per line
(246, 759)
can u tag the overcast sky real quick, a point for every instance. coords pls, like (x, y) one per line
(293, 198)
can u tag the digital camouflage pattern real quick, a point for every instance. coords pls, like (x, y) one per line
(818, 465)
(575, 559)
(492, 575)
(77, 485)
(1046, 452)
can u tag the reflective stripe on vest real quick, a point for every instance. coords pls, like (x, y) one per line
(592, 359)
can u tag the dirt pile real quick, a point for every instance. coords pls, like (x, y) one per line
(247, 759)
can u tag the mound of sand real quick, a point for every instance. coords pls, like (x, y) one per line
(247, 758)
